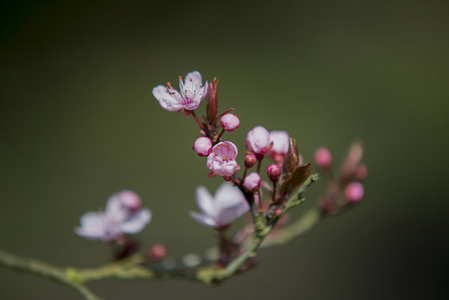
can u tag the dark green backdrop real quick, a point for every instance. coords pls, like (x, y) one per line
(78, 123)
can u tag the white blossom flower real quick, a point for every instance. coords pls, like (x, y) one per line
(228, 204)
(192, 92)
(122, 215)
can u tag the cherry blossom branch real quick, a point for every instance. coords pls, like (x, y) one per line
(134, 267)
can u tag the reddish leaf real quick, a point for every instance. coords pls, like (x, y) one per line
(297, 178)
(291, 162)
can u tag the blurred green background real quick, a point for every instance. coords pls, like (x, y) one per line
(78, 123)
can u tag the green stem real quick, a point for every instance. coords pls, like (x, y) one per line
(36, 267)
(133, 268)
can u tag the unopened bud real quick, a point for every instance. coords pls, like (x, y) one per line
(157, 252)
(203, 146)
(229, 122)
(250, 160)
(251, 181)
(274, 172)
(323, 158)
(361, 172)
(258, 140)
(354, 192)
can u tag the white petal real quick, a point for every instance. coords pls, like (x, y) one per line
(114, 208)
(205, 201)
(192, 79)
(203, 220)
(192, 106)
(230, 202)
(137, 222)
(280, 141)
(229, 194)
(229, 214)
(93, 225)
(167, 101)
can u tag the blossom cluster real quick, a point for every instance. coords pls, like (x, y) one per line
(238, 195)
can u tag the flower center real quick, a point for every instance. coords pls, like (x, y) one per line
(224, 152)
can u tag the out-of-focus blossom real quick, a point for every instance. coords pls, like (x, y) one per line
(258, 140)
(192, 93)
(323, 158)
(202, 146)
(251, 181)
(354, 192)
(274, 172)
(229, 122)
(220, 211)
(280, 140)
(122, 215)
(221, 161)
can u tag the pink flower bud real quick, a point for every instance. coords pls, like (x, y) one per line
(251, 181)
(258, 140)
(361, 172)
(203, 146)
(354, 192)
(157, 252)
(250, 160)
(274, 172)
(230, 122)
(323, 158)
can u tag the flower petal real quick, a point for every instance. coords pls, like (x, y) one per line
(137, 222)
(203, 220)
(230, 214)
(231, 195)
(168, 101)
(114, 208)
(193, 79)
(93, 225)
(205, 201)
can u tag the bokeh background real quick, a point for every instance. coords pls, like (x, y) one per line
(78, 123)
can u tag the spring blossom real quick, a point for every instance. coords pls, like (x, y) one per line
(192, 93)
(219, 211)
(221, 161)
(122, 215)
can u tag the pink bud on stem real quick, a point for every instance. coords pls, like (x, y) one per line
(354, 192)
(323, 158)
(252, 181)
(229, 122)
(203, 146)
(157, 252)
(258, 141)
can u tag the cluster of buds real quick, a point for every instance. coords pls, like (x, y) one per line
(346, 190)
